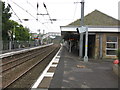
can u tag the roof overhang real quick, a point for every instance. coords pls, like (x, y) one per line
(92, 28)
(71, 32)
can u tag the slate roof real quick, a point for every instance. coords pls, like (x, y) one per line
(97, 18)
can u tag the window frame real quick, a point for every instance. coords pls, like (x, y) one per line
(116, 45)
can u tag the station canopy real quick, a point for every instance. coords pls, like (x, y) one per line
(95, 19)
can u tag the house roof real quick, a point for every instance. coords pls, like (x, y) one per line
(97, 18)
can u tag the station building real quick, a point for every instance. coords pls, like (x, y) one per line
(103, 35)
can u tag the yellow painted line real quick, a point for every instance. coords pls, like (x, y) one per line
(86, 45)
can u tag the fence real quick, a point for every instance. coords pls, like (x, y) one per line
(18, 44)
(12, 45)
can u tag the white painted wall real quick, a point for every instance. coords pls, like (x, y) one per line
(90, 29)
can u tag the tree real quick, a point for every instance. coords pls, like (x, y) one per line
(5, 21)
(21, 33)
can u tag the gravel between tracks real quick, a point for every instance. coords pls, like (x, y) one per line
(28, 79)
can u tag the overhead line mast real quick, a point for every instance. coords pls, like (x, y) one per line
(81, 24)
(47, 12)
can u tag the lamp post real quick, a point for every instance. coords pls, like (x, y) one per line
(29, 40)
(39, 37)
(13, 37)
(10, 39)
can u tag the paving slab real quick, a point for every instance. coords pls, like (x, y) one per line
(72, 72)
(45, 82)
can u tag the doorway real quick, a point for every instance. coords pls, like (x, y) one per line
(91, 46)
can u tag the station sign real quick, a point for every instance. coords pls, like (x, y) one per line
(82, 29)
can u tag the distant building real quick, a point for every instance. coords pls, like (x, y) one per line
(34, 35)
(104, 35)
(53, 34)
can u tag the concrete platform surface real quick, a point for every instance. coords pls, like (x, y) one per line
(75, 73)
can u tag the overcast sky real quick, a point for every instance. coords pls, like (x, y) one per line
(65, 11)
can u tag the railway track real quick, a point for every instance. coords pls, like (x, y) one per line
(32, 61)
(6, 66)
(18, 55)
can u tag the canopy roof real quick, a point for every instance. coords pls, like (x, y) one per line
(97, 18)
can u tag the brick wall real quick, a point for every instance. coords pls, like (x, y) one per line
(119, 40)
(104, 43)
(97, 44)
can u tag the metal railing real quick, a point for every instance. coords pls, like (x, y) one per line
(9, 46)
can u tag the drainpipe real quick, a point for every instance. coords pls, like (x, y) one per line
(70, 46)
(100, 41)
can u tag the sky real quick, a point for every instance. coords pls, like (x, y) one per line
(64, 11)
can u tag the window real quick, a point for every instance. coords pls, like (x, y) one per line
(111, 45)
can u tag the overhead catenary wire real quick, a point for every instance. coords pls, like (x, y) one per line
(47, 12)
(37, 9)
(37, 16)
(43, 16)
(29, 13)
(31, 5)
(75, 12)
(24, 9)
(15, 13)
(46, 26)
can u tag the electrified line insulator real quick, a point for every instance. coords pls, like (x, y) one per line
(44, 5)
(37, 5)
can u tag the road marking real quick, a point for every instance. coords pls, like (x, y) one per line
(53, 65)
(49, 74)
(55, 61)
(58, 57)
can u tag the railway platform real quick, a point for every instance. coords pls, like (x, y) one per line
(72, 72)
(18, 51)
